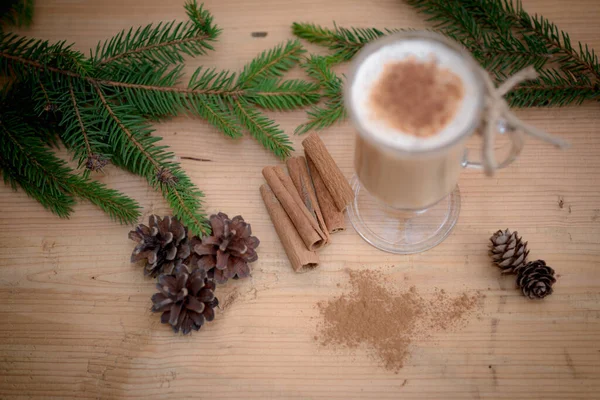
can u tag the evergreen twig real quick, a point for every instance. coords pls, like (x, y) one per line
(333, 110)
(102, 105)
(32, 165)
(538, 33)
(345, 42)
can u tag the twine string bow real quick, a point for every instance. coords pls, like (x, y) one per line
(497, 109)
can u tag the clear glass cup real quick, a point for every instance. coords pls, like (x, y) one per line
(408, 201)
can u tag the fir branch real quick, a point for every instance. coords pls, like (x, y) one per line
(262, 128)
(540, 36)
(162, 44)
(130, 138)
(183, 197)
(274, 94)
(84, 134)
(118, 206)
(492, 52)
(539, 33)
(21, 161)
(20, 55)
(554, 88)
(134, 150)
(185, 200)
(40, 167)
(30, 157)
(343, 41)
(452, 17)
(271, 63)
(333, 111)
(319, 68)
(211, 81)
(571, 59)
(217, 113)
(143, 91)
(57, 203)
(100, 109)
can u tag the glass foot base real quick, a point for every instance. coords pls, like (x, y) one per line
(402, 231)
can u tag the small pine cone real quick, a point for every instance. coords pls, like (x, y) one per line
(96, 162)
(166, 177)
(162, 244)
(536, 279)
(186, 299)
(508, 251)
(50, 107)
(226, 253)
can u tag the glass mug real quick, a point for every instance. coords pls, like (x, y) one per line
(407, 201)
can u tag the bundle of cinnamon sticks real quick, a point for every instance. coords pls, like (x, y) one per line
(306, 206)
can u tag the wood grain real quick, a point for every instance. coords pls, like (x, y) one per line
(75, 314)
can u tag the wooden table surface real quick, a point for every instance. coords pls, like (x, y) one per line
(75, 313)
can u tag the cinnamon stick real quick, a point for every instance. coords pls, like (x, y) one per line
(299, 174)
(336, 183)
(334, 218)
(300, 257)
(290, 200)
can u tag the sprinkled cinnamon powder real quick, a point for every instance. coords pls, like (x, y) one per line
(417, 98)
(386, 323)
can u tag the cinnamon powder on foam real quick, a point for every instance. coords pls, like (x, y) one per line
(372, 316)
(415, 97)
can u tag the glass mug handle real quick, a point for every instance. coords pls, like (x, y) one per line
(516, 140)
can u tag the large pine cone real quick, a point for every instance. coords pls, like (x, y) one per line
(508, 251)
(186, 299)
(536, 279)
(226, 253)
(161, 244)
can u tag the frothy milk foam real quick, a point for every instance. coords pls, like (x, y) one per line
(419, 50)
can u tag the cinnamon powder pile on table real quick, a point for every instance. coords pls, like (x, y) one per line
(386, 323)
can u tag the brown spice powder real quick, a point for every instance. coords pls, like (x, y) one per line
(386, 323)
(415, 97)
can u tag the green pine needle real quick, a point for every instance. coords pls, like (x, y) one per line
(81, 134)
(164, 43)
(118, 206)
(262, 128)
(554, 86)
(271, 63)
(343, 41)
(214, 109)
(277, 95)
(333, 110)
(59, 204)
(186, 202)
(33, 166)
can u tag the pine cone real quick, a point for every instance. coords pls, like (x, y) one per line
(508, 251)
(161, 244)
(226, 253)
(186, 299)
(536, 279)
